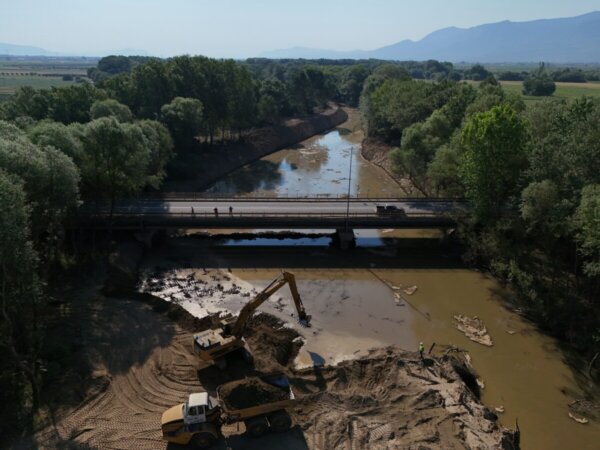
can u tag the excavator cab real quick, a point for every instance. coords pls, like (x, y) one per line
(214, 344)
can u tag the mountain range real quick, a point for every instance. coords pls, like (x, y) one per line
(567, 40)
(26, 50)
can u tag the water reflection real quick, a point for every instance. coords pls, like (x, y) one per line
(318, 166)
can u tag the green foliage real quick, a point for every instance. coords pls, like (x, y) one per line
(50, 180)
(539, 84)
(20, 287)
(493, 159)
(443, 172)
(184, 117)
(351, 83)
(110, 107)
(57, 135)
(587, 220)
(119, 159)
(28, 102)
(268, 111)
(477, 73)
(160, 146)
(397, 104)
(73, 103)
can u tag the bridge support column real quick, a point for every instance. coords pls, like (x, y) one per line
(344, 238)
(147, 237)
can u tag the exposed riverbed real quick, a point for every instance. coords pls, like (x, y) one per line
(353, 310)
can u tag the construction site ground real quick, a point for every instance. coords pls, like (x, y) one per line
(139, 363)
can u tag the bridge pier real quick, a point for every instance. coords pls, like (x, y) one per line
(147, 236)
(344, 238)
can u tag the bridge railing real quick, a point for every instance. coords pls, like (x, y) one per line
(266, 215)
(208, 196)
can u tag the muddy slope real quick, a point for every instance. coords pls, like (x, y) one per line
(258, 143)
(378, 152)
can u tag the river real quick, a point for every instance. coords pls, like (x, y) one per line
(524, 372)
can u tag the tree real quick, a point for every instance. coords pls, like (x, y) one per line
(539, 83)
(151, 88)
(72, 103)
(57, 135)
(28, 102)
(493, 159)
(351, 83)
(185, 119)
(50, 180)
(587, 220)
(110, 107)
(477, 73)
(19, 294)
(268, 110)
(114, 64)
(160, 147)
(115, 160)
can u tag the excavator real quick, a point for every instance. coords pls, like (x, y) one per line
(214, 344)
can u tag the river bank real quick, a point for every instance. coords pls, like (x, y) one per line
(202, 170)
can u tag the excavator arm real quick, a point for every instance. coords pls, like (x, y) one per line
(248, 309)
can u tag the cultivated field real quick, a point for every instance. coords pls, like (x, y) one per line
(563, 90)
(40, 73)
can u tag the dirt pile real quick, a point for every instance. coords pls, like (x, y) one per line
(252, 392)
(391, 399)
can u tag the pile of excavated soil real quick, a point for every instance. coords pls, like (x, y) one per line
(391, 399)
(252, 392)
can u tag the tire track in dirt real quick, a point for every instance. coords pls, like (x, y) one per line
(145, 369)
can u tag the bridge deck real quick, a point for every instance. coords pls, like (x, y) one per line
(272, 213)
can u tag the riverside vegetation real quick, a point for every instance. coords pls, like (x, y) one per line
(531, 175)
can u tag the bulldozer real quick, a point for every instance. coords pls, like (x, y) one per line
(214, 344)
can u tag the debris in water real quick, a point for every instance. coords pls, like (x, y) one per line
(480, 383)
(468, 359)
(581, 420)
(398, 298)
(510, 332)
(499, 409)
(410, 290)
(474, 329)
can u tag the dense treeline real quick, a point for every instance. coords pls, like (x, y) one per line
(532, 176)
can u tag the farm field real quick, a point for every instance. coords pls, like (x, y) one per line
(563, 90)
(40, 73)
(10, 83)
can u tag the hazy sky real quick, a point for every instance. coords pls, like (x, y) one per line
(241, 28)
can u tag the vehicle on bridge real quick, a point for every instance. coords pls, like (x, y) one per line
(199, 420)
(389, 210)
(214, 344)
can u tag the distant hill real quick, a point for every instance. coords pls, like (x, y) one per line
(26, 50)
(23, 50)
(569, 40)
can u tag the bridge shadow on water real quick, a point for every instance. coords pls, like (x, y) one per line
(222, 252)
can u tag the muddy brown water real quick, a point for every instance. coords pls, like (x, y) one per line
(353, 310)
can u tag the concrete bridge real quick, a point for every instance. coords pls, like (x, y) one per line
(201, 211)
